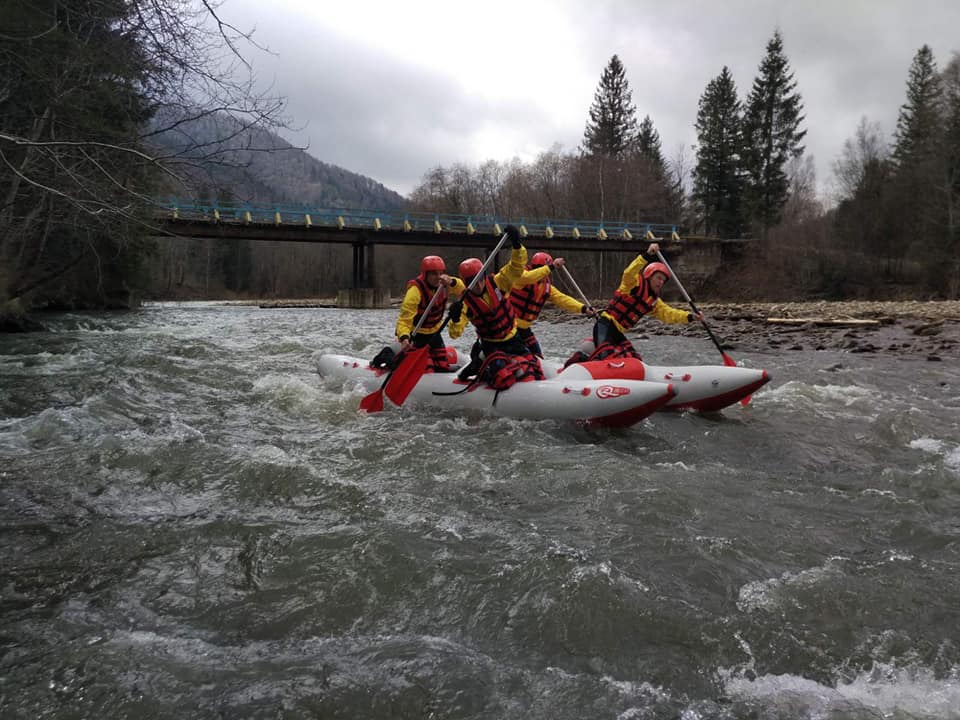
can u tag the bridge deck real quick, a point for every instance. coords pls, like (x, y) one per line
(351, 226)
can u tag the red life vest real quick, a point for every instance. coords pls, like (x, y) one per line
(494, 321)
(627, 308)
(527, 302)
(426, 292)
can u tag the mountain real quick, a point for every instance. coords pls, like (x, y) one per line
(220, 158)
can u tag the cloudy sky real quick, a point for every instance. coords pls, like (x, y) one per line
(390, 89)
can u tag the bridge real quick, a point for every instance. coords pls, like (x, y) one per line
(364, 230)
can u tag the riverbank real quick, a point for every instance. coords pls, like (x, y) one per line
(929, 330)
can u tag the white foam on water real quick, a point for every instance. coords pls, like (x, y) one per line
(931, 445)
(884, 691)
(771, 593)
(287, 391)
(952, 460)
(831, 401)
(948, 451)
(679, 465)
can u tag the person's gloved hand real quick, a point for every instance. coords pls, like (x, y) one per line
(514, 236)
(456, 311)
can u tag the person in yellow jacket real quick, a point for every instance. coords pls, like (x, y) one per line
(486, 306)
(638, 295)
(533, 291)
(420, 290)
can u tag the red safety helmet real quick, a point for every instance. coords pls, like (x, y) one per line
(657, 267)
(541, 258)
(431, 263)
(469, 268)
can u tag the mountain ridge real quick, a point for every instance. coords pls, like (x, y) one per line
(219, 158)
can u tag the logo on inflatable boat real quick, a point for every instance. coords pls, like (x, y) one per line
(611, 391)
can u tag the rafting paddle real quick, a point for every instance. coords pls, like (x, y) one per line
(576, 287)
(411, 362)
(727, 360)
(411, 366)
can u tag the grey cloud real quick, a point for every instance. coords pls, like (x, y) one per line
(393, 120)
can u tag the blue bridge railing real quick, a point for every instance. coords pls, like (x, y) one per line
(407, 221)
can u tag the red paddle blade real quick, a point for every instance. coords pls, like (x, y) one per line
(373, 402)
(407, 375)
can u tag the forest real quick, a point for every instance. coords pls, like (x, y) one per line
(92, 91)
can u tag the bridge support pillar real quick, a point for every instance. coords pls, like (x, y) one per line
(363, 298)
(359, 278)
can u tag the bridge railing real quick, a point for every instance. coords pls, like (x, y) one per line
(406, 220)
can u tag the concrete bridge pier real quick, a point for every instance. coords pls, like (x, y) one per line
(361, 295)
(365, 298)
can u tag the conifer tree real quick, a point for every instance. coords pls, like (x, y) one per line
(951, 87)
(612, 128)
(772, 135)
(919, 209)
(717, 181)
(917, 133)
(648, 143)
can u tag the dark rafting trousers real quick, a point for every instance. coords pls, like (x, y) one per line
(604, 331)
(438, 351)
(530, 340)
(484, 348)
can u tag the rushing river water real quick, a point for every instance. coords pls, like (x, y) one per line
(195, 524)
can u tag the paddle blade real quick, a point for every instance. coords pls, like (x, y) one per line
(373, 402)
(407, 375)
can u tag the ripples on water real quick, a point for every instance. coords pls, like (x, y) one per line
(195, 524)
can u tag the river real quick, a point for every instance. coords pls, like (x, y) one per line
(195, 524)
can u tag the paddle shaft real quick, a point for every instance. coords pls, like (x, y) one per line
(423, 317)
(693, 305)
(476, 278)
(575, 286)
(473, 281)
(407, 374)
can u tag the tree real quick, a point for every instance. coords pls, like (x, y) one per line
(717, 180)
(612, 128)
(772, 135)
(87, 86)
(648, 143)
(918, 208)
(860, 153)
(917, 136)
(951, 104)
(862, 176)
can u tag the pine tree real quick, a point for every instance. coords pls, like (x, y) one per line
(717, 180)
(918, 126)
(772, 135)
(648, 143)
(612, 128)
(951, 86)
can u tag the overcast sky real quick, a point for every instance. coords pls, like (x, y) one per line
(391, 89)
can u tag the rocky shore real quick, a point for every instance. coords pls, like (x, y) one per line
(917, 329)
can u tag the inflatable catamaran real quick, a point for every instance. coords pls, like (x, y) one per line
(608, 393)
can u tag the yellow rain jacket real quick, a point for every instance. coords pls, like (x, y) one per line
(661, 311)
(410, 307)
(561, 300)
